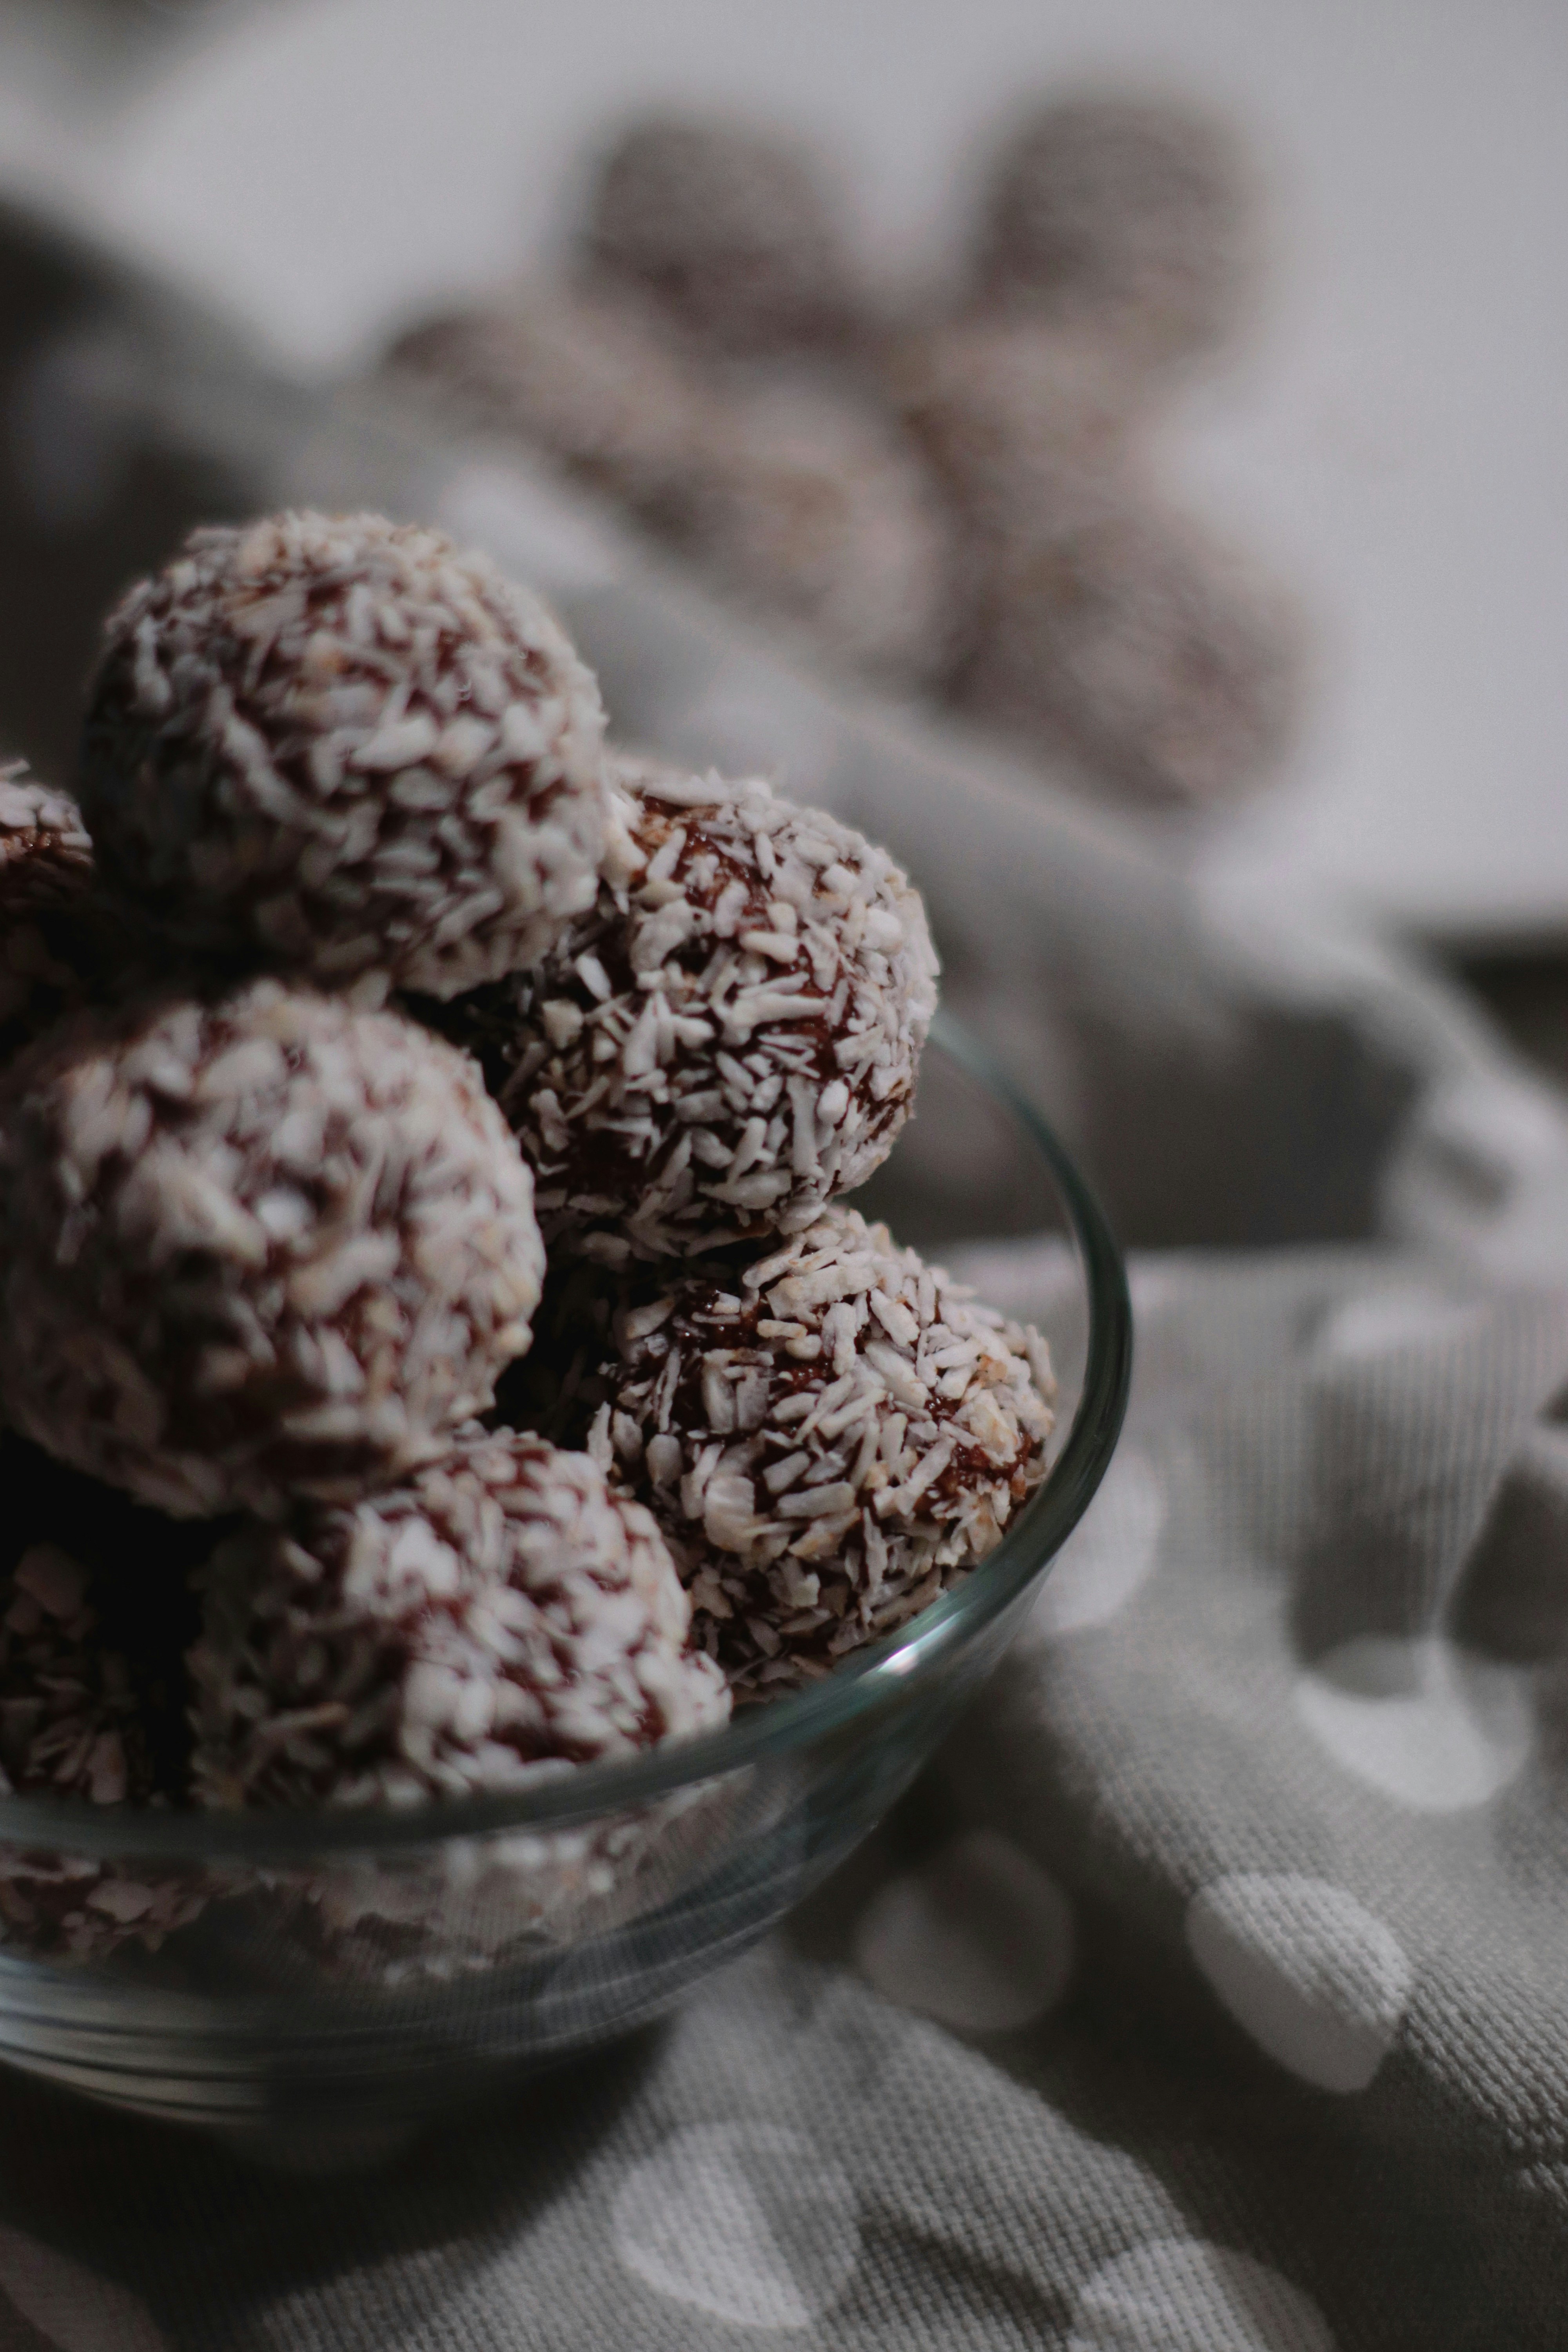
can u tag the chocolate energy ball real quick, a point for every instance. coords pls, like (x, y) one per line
(59, 943)
(810, 505)
(729, 235)
(1131, 216)
(727, 1039)
(94, 1617)
(584, 378)
(502, 1615)
(255, 1246)
(828, 1435)
(347, 748)
(498, 1621)
(1105, 623)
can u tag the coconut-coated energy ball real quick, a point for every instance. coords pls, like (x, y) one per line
(584, 378)
(343, 746)
(727, 1039)
(262, 1245)
(808, 504)
(1106, 622)
(1131, 216)
(829, 1435)
(94, 1618)
(729, 233)
(59, 943)
(500, 1615)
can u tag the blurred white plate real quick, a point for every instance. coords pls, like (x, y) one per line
(1396, 436)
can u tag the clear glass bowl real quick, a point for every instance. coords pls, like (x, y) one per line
(355, 1973)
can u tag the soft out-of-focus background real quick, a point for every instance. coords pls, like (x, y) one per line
(1388, 436)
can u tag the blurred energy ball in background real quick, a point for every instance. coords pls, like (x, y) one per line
(1385, 440)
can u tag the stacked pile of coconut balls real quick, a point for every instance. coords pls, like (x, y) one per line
(961, 487)
(361, 976)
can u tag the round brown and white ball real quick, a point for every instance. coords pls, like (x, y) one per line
(501, 1612)
(727, 1039)
(500, 1618)
(728, 233)
(1105, 621)
(344, 746)
(1132, 216)
(829, 1435)
(256, 1246)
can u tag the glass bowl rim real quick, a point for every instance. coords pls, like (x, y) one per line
(873, 1680)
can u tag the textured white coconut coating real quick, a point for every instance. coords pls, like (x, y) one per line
(500, 1615)
(348, 748)
(828, 1435)
(255, 1246)
(727, 1039)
